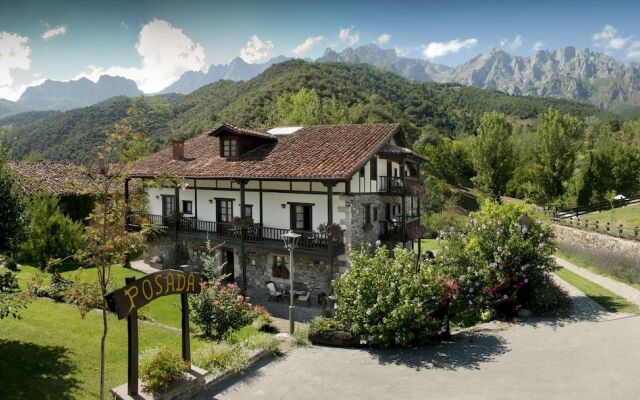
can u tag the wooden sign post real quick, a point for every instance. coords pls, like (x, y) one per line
(137, 293)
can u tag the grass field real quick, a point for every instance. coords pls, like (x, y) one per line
(52, 353)
(627, 216)
(606, 298)
(165, 310)
(585, 263)
(427, 244)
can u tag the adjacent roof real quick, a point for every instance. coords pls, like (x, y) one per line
(240, 130)
(56, 177)
(318, 152)
(393, 150)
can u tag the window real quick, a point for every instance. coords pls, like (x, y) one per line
(248, 211)
(373, 169)
(224, 210)
(367, 213)
(229, 148)
(375, 214)
(187, 207)
(280, 268)
(362, 172)
(301, 217)
(168, 205)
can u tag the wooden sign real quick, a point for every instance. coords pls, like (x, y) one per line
(137, 293)
(144, 290)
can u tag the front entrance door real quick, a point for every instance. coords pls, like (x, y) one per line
(168, 208)
(227, 270)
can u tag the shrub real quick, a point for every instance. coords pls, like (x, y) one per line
(50, 234)
(8, 281)
(11, 264)
(58, 287)
(219, 308)
(85, 295)
(251, 338)
(160, 367)
(390, 300)
(301, 336)
(216, 356)
(499, 261)
(326, 325)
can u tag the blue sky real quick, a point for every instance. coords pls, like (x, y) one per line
(154, 42)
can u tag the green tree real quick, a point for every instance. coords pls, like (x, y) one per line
(11, 207)
(306, 107)
(555, 151)
(49, 234)
(105, 240)
(492, 155)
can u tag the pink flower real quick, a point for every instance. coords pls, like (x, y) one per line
(216, 303)
(239, 298)
(231, 285)
(203, 284)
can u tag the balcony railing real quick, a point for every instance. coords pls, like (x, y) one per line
(254, 233)
(398, 185)
(396, 230)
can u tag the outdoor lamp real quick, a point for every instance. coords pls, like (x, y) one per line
(290, 242)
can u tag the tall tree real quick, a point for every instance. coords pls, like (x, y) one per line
(492, 155)
(306, 107)
(106, 242)
(12, 207)
(555, 151)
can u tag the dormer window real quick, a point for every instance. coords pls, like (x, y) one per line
(229, 148)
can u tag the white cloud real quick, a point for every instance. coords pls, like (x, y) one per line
(633, 51)
(383, 39)
(53, 32)
(15, 54)
(512, 45)
(348, 37)
(609, 38)
(537, 46)
(256, 50)
(167, 52)
(439, 49)
(305, 46)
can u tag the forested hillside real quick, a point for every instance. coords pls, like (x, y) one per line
(449, 109)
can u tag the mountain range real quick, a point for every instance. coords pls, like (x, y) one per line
(567, 73)
(450, 109)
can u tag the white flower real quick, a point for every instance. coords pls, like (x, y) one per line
(470, 302)
(378, 242)
(505, 297)
(368, 311)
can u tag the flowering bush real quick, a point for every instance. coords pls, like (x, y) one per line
(219, 308)
(389, 300)
(160, 367)
(500, 260)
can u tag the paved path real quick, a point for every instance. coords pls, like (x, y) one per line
(140, 265)
(621, 289)
(590, 355)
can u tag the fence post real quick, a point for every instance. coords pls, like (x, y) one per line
(597, 228)
(586, 224)
(578, 222)
(608, 227)
(620, 230)
(635, 232)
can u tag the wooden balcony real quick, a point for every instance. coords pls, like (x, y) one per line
(255, 235)
(397, 231)
(398, 185)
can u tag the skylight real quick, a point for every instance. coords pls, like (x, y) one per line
(284, 130)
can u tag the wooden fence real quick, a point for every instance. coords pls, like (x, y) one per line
(577, 211)
(624, 232)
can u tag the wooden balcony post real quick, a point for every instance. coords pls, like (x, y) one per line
(329, 186)
(243, 236)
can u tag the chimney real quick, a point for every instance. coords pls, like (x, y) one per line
(178, 150)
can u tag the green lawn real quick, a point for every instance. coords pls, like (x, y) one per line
(427, 244)
(627, 216)
(606, 298)
(165, 310)
(52, 353)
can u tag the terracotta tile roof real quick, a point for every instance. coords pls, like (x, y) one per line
(400, 151)
(240, 130)
(56, 177)
(321, 152)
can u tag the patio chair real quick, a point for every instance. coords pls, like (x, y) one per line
(304, 298)
(273, 292)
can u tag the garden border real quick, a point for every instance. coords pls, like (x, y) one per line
(197, 381)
